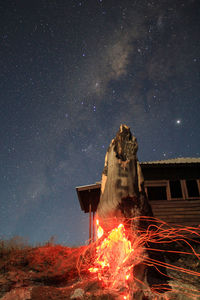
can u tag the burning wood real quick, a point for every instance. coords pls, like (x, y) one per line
(115, 258)
(122, 202)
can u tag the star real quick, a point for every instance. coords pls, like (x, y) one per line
(68, 83)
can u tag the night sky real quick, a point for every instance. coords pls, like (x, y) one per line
(71, 73)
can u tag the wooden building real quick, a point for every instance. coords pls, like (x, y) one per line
(172, 187)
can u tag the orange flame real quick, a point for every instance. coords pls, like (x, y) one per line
(117, 256)
(100, 230)
(111, 258)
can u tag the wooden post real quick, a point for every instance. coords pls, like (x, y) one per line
(93, 227)
(90, 210)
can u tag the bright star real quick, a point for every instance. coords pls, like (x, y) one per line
(178, 122)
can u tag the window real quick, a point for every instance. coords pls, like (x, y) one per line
(157, 193)
(157, 189)
(192, 188)
(172, 189)
(175, 189)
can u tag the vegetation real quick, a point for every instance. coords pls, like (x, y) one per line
(56, 272)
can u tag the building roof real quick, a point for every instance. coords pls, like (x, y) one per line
(89, 195)
(178, 160)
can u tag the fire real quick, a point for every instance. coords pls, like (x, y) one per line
(119, 251)
(112, 259)
(100, 230)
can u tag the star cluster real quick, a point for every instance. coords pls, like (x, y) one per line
(71, 73)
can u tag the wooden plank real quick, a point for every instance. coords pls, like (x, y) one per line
(175, 202)
(176, 208)
(165, 210)
(181, 220)
(183, 225)
(166, 214)
(176, 205)
(177, 211)
(196, 219)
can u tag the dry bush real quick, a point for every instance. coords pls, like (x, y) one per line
(13, 244)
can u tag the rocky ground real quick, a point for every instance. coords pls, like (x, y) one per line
(55, 272)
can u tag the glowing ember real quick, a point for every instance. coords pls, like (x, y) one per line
(117, 256)
(112, 259)
(99, 230)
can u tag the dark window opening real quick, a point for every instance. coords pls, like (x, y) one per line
(192, 188)
(175, 189)
(157, 193)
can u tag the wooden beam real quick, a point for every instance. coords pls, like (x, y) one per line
(90, 210)
(93, 227)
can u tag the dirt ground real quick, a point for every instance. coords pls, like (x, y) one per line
(53, 272)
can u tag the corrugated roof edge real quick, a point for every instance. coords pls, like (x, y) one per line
(178, 160)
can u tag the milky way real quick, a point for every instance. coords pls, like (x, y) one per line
(71, 73)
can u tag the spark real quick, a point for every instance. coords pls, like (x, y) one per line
(120, 250)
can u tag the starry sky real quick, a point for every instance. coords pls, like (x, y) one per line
(71, 71)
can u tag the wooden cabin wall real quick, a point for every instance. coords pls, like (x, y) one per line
(185, 213)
